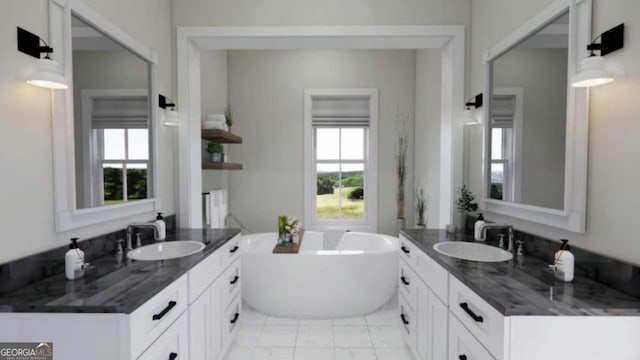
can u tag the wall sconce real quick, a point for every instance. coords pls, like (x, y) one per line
(170, 117)
(468, 117)
(592, 70)
(46, 72)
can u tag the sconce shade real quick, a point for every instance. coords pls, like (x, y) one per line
(171, 118)
(47, 74)
(592, 72)
(468, 117)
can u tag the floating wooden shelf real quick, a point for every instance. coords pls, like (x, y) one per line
(221, 136)
(221, 166)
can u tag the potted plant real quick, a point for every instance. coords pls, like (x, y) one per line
(466, 203)
(401, 172)
(288, 227)
(229, 115)
(216, 150)
(422, 202)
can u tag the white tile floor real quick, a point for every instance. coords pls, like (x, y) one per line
(377, 336)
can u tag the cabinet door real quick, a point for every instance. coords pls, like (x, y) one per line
(217, 319)
(462, 345)
(200, 327)
(172, 344)
(432, 331)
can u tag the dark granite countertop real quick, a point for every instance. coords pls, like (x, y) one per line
(113, 287)
(515, 287)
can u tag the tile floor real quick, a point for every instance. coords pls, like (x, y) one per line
(377, 336)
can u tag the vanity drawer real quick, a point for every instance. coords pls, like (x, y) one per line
(408, 252)
(203, 274)
(407, 283)
(230, 251)
(231, 322)
(480, 318)
(408, 322)
(462, 345)
(434, 275)
(173, 344)
(156, 315)
(231, 283)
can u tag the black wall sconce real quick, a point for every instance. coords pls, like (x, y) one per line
(170, 114)
(592, 70)
(468, 116)
(475, 102)
(46, 72)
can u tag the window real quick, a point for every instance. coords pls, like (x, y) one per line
(123, 159)
(505, 122)
(340, 176)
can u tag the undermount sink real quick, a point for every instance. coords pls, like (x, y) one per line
(472, 251)
(166, 250)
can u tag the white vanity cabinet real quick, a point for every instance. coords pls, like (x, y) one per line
(422, 312)
(215, 311)
(195, 317)
(445, 319)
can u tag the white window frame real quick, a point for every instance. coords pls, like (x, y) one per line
(370, 222)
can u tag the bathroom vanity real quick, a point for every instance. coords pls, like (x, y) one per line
(465, 310)
(184, 308)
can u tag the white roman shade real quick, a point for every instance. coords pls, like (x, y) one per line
(130, 112)
(342, 111)
(503, 109)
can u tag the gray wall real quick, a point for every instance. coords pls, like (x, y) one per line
(613, 173)
(25, 124)
(266, 88)
(542, 74)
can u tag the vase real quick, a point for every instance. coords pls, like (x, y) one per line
(400, 223)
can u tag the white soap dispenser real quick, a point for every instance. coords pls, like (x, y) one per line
(477, 228)
(74, 261)
(162, 227)
(564, 262)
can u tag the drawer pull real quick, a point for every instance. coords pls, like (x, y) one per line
(462, 357)
(235, 318)
(234, 249)
(235, 280)
(404, 319)
(173, 356)
(404, 249)
(473, 315)
(404, 280)
(164, 312)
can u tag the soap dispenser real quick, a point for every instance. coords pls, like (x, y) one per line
(162, 227)
(477, 227)
(74, 261)
(564, 262)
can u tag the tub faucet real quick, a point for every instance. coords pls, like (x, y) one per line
(152, 225)
(509, 227)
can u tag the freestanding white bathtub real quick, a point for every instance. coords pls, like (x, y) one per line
(355, 278)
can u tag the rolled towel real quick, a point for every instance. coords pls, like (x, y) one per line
(207, 124)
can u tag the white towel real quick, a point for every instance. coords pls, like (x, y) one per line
(217, 117)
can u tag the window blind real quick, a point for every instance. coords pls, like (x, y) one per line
(340, 111)
(502, 111)
(131, 112)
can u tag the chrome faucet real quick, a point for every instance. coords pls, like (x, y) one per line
(509, 227)
(151, 225)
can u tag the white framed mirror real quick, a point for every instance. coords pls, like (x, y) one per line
(105, 126)
(536, 124)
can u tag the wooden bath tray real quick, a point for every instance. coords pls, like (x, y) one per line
(291, 248)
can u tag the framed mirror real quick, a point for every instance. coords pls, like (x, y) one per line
(105, 148)
(536, 124)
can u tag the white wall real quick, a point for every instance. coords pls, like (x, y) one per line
(26, 214)
(313, 12)
(266, 88)
(214, 95)
(614, 173)
(427, 131)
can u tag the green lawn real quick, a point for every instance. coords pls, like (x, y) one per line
(327, 205)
